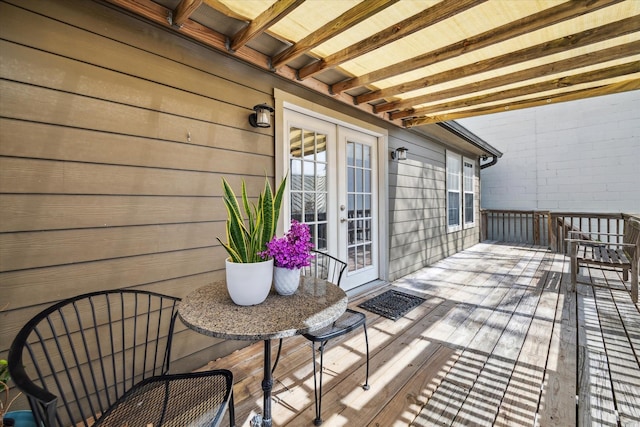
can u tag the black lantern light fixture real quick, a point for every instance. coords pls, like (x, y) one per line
(261, 117)
(399, 153)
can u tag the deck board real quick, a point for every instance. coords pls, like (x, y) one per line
(489, 388)
(499, 341)
(522, 396)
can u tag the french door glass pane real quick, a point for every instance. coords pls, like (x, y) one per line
(308, 184)
(359, 215)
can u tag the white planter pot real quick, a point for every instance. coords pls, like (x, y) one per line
(286, 281)
(249, 283)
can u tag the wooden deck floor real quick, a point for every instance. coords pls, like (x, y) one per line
(499, 341)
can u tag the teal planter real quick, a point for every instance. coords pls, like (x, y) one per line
(21, 418)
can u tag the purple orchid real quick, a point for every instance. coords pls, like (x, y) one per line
(293, 250)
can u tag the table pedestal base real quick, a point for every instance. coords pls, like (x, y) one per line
(256, 421)
(267, 385)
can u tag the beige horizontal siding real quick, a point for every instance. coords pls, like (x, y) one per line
(417, 208)
(20, 251)
(55, 177)
(36, 286)
(31, 212)
(28, 139)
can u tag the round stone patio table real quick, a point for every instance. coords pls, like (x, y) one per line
(210, 311)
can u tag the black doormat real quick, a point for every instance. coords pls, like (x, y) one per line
(392, 304)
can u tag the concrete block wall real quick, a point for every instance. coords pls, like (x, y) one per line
(580, 156)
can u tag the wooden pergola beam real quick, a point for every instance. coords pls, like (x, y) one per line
(625, 86)
(558, 67)
(266, 19)
(549, 85)
(545, 18)
(563, 44)
(417, 22)
(342, 23)
(183, 11)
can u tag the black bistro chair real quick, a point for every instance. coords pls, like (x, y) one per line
(104, 356)
(325, 266)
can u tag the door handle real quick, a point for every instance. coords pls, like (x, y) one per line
(343, 219)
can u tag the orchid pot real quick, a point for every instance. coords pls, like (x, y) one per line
(286, 281)
(290, 254)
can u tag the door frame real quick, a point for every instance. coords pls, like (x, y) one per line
(285, 100)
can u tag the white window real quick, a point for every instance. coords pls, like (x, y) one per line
(469, 174)
(460, 192)
(454, 192)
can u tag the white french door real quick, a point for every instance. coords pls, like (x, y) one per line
(358, 213)
(333, 187)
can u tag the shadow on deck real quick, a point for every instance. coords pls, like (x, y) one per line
(499, 341)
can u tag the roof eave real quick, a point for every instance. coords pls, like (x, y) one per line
(470, 137)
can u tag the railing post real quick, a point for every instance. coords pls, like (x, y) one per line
(536, 228)
(552, 234)
(483, 226)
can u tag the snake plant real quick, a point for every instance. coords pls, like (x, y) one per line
(245, 239)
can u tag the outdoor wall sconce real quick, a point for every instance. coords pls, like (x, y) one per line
(399, 153)
(261, 117)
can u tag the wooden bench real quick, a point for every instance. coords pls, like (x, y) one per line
(619, 256)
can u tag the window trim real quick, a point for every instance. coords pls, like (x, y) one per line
(450, 155)
(461, 190)
(472, 191)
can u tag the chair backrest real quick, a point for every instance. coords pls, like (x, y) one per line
(325, 266)
(77, 357)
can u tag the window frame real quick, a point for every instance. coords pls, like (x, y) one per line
(453, 177)
(464, 180)
(466, 190)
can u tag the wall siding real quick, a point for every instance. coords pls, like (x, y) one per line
(114, 136)
(417, 207)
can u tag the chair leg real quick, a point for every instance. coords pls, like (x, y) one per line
(232, 410)
(317, 388)
(366, 340)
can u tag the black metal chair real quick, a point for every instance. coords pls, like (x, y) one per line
(104, 356)
(325, 266)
